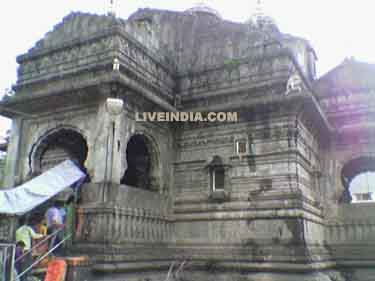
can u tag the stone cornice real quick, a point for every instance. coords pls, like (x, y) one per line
(242, 266)
(130, 68)
(248, 215)
(17, 103)
(235, 63)
(114, 30)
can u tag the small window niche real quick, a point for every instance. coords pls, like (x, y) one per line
(217, 176)
(218, 179)
(242, 146)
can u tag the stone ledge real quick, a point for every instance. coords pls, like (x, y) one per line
(290, 253)
(219, 196)
(243, 215)
(129, 267)
(356, 263)
(213, 265)
(77, 261)
(263, 204)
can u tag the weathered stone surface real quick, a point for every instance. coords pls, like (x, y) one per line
(278, 214)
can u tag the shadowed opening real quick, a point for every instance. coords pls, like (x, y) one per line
(139, 163)
(59, 146)
(358, 180)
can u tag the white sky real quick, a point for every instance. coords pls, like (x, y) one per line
(336, 28)
(363, 183)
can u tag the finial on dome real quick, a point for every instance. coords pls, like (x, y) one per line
(261, 19)
(259, 11)
(112, 9)
(203, 7)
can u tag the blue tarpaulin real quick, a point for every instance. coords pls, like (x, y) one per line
(24, 198)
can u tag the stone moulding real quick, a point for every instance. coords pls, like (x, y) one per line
(219, 196)
(75, 58)
(124, 225)
(114, 30)
(217, 266)
(246, 214)
(270, 214)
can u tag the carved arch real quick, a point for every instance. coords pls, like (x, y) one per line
(69, 141)
(153, 181)
(356, 165)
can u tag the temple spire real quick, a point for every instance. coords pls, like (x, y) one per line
(203, 3)
(261, 19)
(258, 15)
(259, 11)
(112, 9)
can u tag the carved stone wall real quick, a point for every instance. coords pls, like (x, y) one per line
(59, 55)
(123, 225)
(272, 189)
(8, 225)
(277, 215)
(35, 132)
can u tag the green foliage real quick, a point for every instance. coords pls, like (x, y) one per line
(232, 63)
(211, 265)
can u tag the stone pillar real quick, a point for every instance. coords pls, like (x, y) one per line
(96, 167)
(118, 144)
(11, 173)
(107, 164)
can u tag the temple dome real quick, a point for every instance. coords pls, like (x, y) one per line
(203, 8)
(262, 21)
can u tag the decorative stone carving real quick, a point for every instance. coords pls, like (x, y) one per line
(7, 228)
(264, 211)
(294, 84)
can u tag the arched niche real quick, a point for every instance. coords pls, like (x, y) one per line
(217, 174)
(143, 167)
(57, 146)
(352, 169)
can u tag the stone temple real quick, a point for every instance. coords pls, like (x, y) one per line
(263, 197)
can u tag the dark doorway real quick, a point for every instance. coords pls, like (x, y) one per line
(139, 163)
(59, 146)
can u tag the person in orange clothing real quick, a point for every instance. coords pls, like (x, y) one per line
(41, 227)
(42, 248)
(56, 270)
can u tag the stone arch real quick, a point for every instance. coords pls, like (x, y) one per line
(217, 173)
(352, 168)
(57, 145)
(355, 153)
(143, 169)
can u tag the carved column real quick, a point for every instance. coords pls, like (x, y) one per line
(97, 167)
(107, 142)
(11, 173)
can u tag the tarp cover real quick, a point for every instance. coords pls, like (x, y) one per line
(22, 199)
